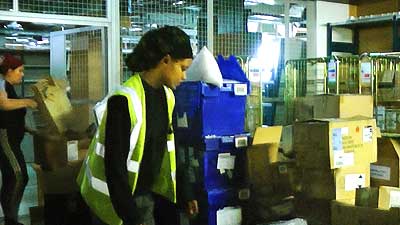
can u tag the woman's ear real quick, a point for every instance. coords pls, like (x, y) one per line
(166, 59)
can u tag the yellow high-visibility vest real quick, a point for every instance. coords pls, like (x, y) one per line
(92, 179)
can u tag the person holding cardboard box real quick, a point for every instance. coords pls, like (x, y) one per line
(129, 176)
(12, 131)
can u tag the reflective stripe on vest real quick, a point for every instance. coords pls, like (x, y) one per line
(132, 166)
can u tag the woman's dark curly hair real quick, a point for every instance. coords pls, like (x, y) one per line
(156, 44)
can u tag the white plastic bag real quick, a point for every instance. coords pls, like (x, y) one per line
(205, 68)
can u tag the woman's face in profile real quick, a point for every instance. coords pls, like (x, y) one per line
(15, 76)
(175, 71)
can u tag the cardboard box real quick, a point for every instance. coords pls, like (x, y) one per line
(60, 181)
(338, 184)
(347, 214)
(262, 153)
(55, 151)
(315, 211)
(389, 197)
(53, 105)
(333, 106)
(56, 114)
(385, 172)
(286, 177)
(335, 143)
(367, 197)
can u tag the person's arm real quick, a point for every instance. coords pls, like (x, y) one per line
(12, 104)
(117, 141)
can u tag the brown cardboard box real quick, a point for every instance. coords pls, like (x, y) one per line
(60, 181)
(347, 214)
(385, 172)
(338, 184)
(367, 197)
(54, 151)
(333, 106)
(389, 197)
(53, 105)
(262, 153)
(315, 211)
(335, 143)
(56, 114)
(286, 177)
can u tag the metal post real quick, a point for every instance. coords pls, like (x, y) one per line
(210, 25)
(114, 56)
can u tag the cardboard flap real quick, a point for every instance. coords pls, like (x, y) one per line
(396, 146)
(264, 135)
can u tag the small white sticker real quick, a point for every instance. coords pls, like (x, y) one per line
(227, 139)
(332, 71)
(365, 72)
(72, 150)
(226, 161)
(241, 142)
(368, 134)
(341, 159)
(354, 181)
(337, 143)
(345, 131)
(394, 201)
(229, 216)
(244, 194)
(182, 121)
(240, 89)
(380, 172)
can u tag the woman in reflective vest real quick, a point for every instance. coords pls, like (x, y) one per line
(130, 172)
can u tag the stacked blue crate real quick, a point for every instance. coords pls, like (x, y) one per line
(203, 109)
(209, 123)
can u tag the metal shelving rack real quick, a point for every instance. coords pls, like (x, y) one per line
(355, 25)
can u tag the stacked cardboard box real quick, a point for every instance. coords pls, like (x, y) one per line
(272, 182)
(334, 140)
(334, 156)
(372, 206)
(60, 141)
(333, 106)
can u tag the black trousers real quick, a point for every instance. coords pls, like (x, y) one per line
(159, 211)
(14, 176)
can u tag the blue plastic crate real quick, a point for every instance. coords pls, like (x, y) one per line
(202, 109)
(213, 178)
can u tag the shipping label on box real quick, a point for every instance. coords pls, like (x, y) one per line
(380, 172)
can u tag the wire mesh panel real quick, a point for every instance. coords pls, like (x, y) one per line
(94, 8)
(86, 73)
(140, 16)
(6, 4)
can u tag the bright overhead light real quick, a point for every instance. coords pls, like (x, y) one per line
(178, 3)
(255, 2)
